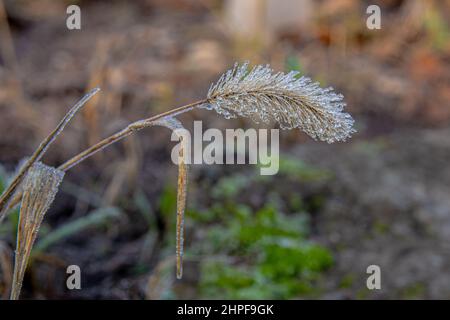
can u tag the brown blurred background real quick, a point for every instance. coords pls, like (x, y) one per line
(381, 198)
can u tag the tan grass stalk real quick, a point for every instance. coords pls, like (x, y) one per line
(131, 128)
(257, 93)
(40, 151)
(175, 125)
(262, 95)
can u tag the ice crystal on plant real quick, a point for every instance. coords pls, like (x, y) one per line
(293, 102)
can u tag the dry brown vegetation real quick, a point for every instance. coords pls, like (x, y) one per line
(380, 198)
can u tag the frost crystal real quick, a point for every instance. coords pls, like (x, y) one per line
(293, 102)
(169, 122)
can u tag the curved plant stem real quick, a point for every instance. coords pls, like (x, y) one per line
(135, 126)
(37, 155)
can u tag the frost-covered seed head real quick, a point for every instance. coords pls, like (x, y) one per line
(293, 102)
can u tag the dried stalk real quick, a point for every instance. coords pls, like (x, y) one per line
(130, 129)
(40, 151)
(257, 93)
(181, 206)
(175, 126)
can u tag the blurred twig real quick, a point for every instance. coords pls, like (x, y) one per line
(96, 79)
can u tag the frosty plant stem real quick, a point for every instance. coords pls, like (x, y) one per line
(130, 129)
(37, 155)
(133, 127)
(257, 93)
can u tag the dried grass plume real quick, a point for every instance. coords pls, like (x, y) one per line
(292, 101)
(257, 93)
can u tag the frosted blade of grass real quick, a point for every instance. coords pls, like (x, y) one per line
(39, 189)
(293, 102)
(174, 125)
(181, 207)
(96, 218)
(40, 151)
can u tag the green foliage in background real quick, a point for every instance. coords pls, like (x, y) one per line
(267, 256)
(262, 253)
(292, 63)
(3, 178)
(254, 252)
(437, 29)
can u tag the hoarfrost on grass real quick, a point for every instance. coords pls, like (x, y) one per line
(174, 124)
(39, 189)
(292, 101)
